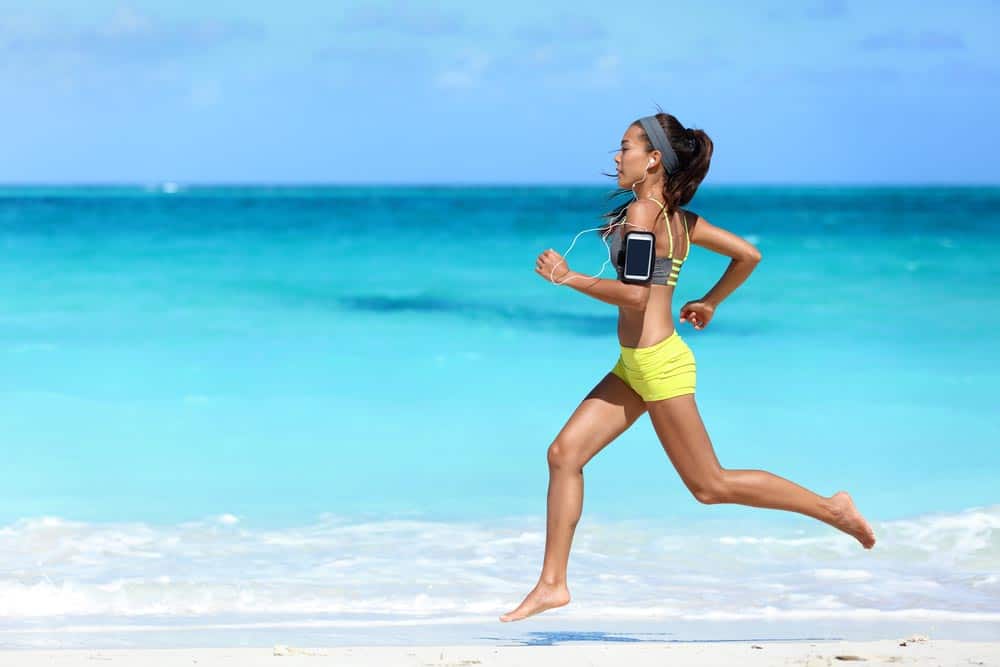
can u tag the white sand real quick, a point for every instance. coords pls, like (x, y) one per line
(726, 654)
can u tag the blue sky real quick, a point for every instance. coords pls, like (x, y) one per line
(458, 92)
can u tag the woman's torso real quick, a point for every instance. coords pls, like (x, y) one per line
(642, 328)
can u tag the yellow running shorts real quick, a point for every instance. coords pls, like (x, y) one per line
(663, 370)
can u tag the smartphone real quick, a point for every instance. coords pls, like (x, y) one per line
(640, 253)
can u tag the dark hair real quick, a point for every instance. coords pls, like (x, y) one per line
(694, 153)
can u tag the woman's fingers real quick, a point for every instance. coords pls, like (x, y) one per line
(691, 315)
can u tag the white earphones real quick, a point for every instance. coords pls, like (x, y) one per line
(603, 238)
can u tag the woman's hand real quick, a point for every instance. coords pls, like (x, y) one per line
(698, 313)
(551, 266)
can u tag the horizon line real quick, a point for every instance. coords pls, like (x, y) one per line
(484, 184)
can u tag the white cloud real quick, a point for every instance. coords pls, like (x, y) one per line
(607, 65)
(467, 73)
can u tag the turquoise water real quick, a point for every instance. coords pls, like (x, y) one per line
(219, 366)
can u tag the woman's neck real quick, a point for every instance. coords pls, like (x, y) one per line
(647, 188)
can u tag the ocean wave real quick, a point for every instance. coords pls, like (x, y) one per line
(939, 566)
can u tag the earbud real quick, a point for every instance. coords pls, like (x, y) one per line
(651, 161)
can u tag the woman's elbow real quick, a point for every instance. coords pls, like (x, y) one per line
(752, 255)
(640, 297)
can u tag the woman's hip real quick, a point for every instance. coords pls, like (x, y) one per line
(670, 351)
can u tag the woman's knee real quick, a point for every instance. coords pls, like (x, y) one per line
(705, 496)
(711, 490)
(562, 456)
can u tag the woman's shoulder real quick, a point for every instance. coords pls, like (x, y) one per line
(642, 213)
(646, 206)
(690, 217)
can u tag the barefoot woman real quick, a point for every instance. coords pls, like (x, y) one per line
(664, 163)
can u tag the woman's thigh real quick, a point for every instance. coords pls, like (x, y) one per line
(685, 440)
(604, 414)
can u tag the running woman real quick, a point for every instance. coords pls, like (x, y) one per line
(664, 163)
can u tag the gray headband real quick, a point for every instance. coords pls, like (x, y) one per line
(659, 140)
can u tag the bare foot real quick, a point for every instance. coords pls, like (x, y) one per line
(541, 597)
(848, 519)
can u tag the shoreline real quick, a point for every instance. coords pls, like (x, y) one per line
(915, 650)
(538, 632)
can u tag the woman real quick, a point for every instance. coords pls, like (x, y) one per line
(664, 162)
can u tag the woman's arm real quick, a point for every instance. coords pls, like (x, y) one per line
(614, 292)
(745, 257)
(641, 215)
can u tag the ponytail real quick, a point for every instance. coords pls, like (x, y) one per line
(695, 151)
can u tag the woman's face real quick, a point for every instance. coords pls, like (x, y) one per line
(632, 158)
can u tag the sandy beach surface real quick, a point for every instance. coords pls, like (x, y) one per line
(702, 654)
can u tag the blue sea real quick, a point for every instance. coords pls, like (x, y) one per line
(258, 415)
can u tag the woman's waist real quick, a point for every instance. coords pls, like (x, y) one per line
(647, 338)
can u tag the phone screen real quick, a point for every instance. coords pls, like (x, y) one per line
(637, 254)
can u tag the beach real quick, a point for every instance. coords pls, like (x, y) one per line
(817, 654)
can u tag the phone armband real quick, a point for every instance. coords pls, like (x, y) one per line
(640, 253)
